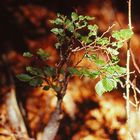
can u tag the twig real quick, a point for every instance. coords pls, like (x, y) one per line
(136, 88)
(133, 104)
(134, 61)
(109, 28)
(135, 95)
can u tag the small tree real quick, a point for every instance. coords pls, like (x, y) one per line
(74, 35)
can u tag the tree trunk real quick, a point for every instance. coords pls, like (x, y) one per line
(13, 112)
(52, 127)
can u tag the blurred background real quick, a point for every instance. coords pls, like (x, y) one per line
(25, 26)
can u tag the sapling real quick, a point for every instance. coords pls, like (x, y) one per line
(74, 35)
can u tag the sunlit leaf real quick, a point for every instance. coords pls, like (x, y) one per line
(42, 54)
(94, 74)
(74, 16)
(109, 84)
(27, 54)
(123, 34)
(89, 18)
(93, 30)
(103, 41)
(34, 70)
(69, 25)
(81, 17)
(58, 21)
(99, 62)
(112, 51)
(100, 88)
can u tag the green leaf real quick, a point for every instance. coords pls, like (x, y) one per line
(93, 30)
(103, 41)
(58, 31)
(89, 18)
(58, 21)
(81, 17)
(34, 70)
(74, 16)
(109, 84)
(94, 74)
(100, 62)
(24, 77)
(55, 31)
(27, 54)
(99, 88)
(36, 82)
(86, 39)
(46, 88)
(116, 70)
(112, 51)
(120, 70)
(84, 72)
(49, 71)
(91, 57)
(73, 70)
(69, 25)
(123, 34)
(105, 85)
(42, 54)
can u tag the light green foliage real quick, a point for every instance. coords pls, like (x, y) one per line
(93, 30)
(34, 71)
(121, 36)
(42, 54)
(75, 34)
(74, 16)
(103, 41)
(104, 85)
(84, 72)
(27, 54)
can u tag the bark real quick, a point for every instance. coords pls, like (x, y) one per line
(52, 127)
(13, 112)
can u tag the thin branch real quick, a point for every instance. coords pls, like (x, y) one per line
(109, 28)
(128, 66)
(136, 88)
(133, 104)
(134, 61)
(79, 61)
(128, 86)
(129, 15)
(135, 95)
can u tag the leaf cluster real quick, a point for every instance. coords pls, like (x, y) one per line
(74, 34)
